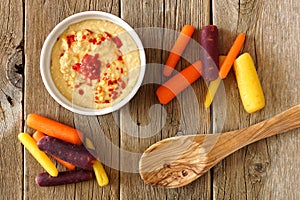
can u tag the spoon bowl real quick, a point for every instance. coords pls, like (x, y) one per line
(177, 161)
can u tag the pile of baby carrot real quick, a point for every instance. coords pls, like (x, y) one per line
(213, 68)
(64, 144)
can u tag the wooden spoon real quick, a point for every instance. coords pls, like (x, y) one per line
(177, 161)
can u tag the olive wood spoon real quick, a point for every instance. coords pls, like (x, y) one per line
(177, 161)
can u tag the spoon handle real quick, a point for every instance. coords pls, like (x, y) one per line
(285, 121)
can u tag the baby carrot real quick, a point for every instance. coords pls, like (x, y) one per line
(99, 171)
(209, 56)
(77, 155)
(232, 54)
(39, 135)
(64, 163)
(178, 48)
(250, 89)
(54, 129)
(213, 86)
(68, 177)
(166, 92)
(39, 155)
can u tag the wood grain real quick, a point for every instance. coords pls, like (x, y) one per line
(11, 107)
(265, 169)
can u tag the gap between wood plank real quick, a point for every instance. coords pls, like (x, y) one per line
(23, 94)
(211, 171)
(119, 155)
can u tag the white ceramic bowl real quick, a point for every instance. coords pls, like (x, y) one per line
(45, 60)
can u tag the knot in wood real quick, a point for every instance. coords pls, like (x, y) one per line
(259, 167)
(15, 68)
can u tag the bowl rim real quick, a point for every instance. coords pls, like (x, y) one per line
(45, 61)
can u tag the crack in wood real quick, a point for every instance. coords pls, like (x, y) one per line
(10, 100)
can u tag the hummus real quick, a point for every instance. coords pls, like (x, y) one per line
(95, 63)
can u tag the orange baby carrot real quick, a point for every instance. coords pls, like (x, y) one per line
(178, 48)
(166, 92)
(64, 163)
(39, 135)
(54, 129)
(232, 54)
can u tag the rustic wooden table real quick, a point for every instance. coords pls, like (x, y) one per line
(268, 169)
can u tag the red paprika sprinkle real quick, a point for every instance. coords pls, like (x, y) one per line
(117, 41)
(76, 66)
(81, 92)
(70, 40)
(77, 85)
(108, 34)
(93, 40)
(109, 82)
(91, 32)
(115, 95)
(123, 85)
(120, 58)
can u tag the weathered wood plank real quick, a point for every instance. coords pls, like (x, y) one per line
(171, 15)
(41, 17)
(11, 86)
(147, 14)
(187, 118)
(266, 169)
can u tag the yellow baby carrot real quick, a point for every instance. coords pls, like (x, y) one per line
(248, 82)
(211, 91)
(39, 155)
(213, 86)
(89, 144)
(100, 173)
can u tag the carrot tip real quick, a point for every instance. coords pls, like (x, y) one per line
(178, 48)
